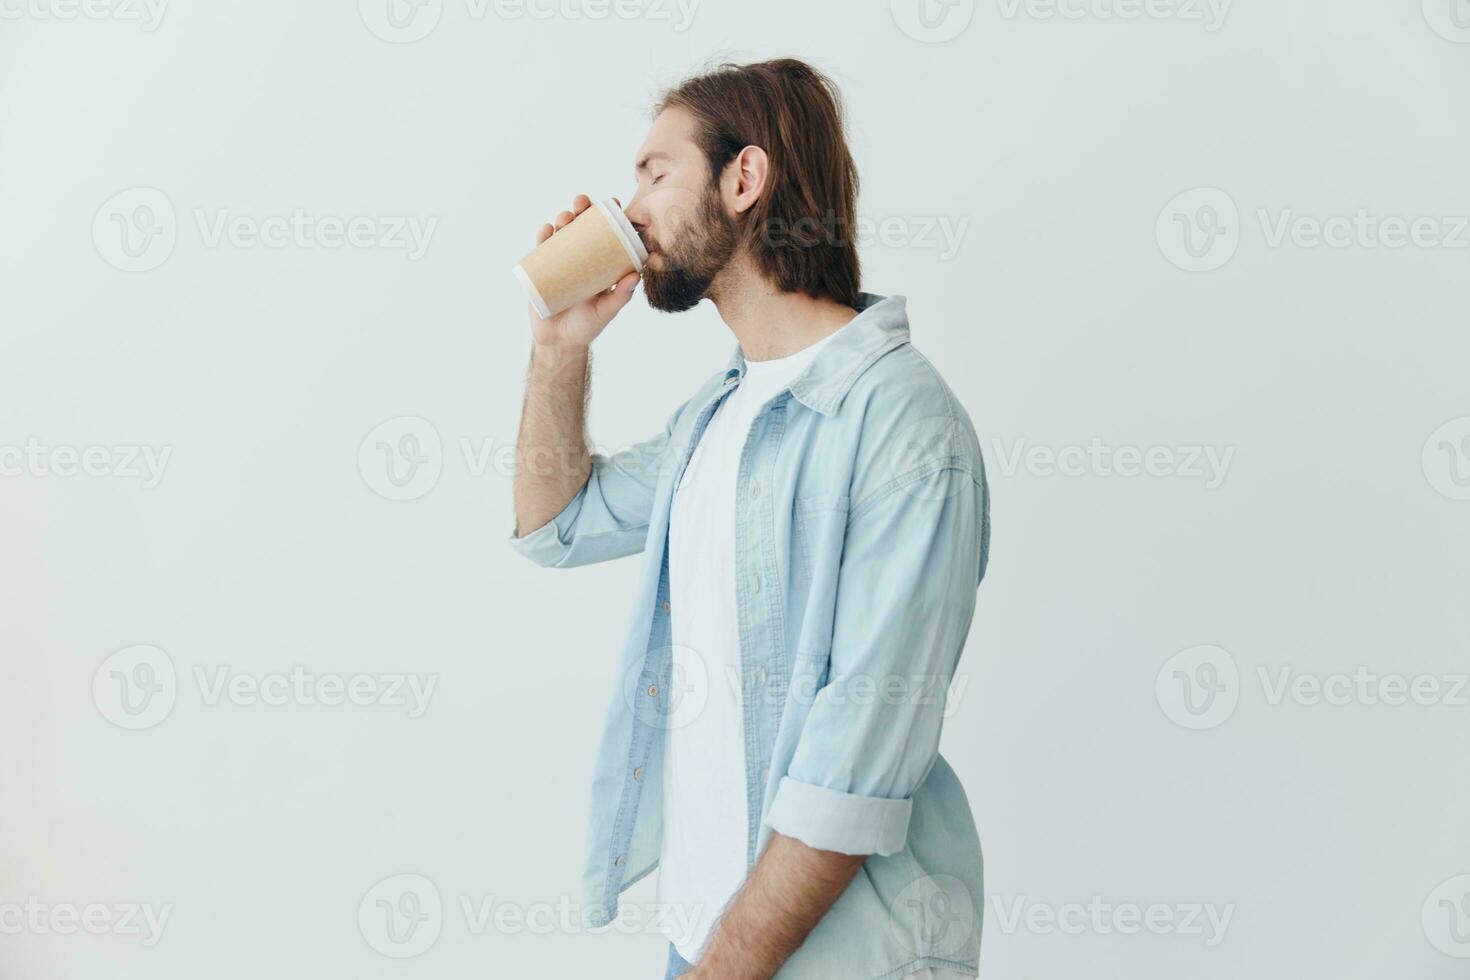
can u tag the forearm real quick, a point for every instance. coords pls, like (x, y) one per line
(786, 895)
(552, 461)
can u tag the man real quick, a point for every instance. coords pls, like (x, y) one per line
(814, 524)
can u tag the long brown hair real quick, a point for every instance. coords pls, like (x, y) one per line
(801, 233)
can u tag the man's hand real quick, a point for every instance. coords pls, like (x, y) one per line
(576, 327)
(552, 460)
(782, 901)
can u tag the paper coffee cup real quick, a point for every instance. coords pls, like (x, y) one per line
(596, 249)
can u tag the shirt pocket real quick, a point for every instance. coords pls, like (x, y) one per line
(819, 525)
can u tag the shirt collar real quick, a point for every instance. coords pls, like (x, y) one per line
(881, 325)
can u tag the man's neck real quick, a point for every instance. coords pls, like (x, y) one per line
(768, 323)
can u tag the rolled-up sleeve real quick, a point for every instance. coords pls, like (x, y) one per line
(911, 563)
(608, 517)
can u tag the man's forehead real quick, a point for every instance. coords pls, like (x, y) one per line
(670, 134)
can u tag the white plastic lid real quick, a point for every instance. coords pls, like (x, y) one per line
(625, 232)
(532, 293)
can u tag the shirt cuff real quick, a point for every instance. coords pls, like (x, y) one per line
(830, 820)
(545, 546)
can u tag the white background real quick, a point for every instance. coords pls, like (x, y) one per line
(1336, 540)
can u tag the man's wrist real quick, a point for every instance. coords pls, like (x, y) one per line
(564, 363)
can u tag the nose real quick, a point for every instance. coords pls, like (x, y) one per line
(637, 212)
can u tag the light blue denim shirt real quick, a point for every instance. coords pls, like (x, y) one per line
(861, 535)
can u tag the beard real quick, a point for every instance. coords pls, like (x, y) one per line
(706, 245)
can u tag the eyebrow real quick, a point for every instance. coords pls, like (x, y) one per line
(642, 165)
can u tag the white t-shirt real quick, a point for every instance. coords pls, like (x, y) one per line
(702, 864)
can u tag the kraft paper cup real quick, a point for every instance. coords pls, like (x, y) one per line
(596, 249)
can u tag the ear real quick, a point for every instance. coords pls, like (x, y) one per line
(745, 178)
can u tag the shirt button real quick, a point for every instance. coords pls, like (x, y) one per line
(666, 605)
(620, 861)
(653, 690)
(755, 489)
(760, 677)
(755, 582)
(638, 773)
